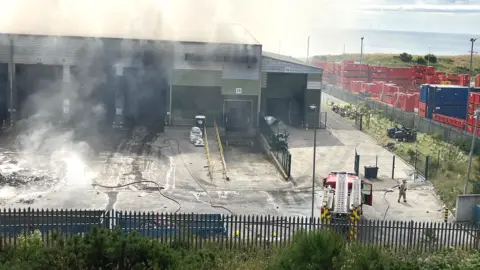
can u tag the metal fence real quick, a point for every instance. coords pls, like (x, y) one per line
(283, 156)
(234, 231)
(322, 124)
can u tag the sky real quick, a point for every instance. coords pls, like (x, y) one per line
(280, 25)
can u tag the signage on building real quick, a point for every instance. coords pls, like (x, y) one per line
(238, 91)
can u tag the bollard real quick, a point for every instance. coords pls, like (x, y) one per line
(446, 215)
(393, 168)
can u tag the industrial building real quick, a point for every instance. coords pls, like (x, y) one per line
(124, 79)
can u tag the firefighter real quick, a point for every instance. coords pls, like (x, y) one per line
(403, 191)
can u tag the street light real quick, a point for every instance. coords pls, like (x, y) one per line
(472, 40)
(428, 58)
(361, 49)
(470, 155)
(313, 107)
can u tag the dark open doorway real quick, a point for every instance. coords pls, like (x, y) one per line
(237, 115)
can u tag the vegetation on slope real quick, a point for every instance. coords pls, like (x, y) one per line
(323, 249)
(451, 64)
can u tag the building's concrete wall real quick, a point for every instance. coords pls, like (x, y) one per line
(196, 78)
(464, 211)
(217, 70)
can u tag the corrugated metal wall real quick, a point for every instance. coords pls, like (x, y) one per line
(46, 50)
(240, 71)
(4, 49)
(314, 81)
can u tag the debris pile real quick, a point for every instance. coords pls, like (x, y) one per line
(18, 180)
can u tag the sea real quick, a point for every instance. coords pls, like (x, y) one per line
(386, 41)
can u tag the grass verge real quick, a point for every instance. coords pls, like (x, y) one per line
(451, 64)
(322, 249)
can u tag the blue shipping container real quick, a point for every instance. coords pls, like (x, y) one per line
(447, 110)
(437, 95)
(423, 93)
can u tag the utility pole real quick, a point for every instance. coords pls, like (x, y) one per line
(477, 116)
(472, 40)
(313, 107)
(472, 148)
(308, 48)
(361, 50)
(428, 58)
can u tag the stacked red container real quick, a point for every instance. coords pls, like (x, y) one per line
(451, 121)
(419, 74)
(432, 79)
(405, 102)
(473, 104)
(430, 70)
(453, 78)
(464, 79)
(422, 109)
(400, 76)
(378, 73)
(477, 80)
(353, 72)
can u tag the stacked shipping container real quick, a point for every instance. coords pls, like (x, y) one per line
(443, 99)
(352, 72)
(473, 104)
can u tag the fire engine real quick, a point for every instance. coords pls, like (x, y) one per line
(344, 195)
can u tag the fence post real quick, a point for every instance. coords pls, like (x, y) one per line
(427, 160)
(289, 168)
(393, 167)
(325, 120)
(361, 121)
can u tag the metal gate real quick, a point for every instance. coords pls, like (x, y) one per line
(356, 165)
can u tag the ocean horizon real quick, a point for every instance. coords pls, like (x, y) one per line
(387, 41)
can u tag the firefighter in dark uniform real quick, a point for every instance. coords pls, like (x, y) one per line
(403, 191)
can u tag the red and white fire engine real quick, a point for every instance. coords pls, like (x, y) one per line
(344, 194)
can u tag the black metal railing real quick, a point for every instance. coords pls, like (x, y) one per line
(233, 230)
(281, 153)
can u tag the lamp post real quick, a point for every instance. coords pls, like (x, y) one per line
(361, 49)
(470, 155)
(428, 58)
(313, 107)
(472, 40)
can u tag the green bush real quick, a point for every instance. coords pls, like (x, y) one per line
(406, 57)
(315, 250)
(431, 58)
(323, 249)
(420, 60)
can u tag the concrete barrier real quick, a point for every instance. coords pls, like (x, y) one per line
(465, 207)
